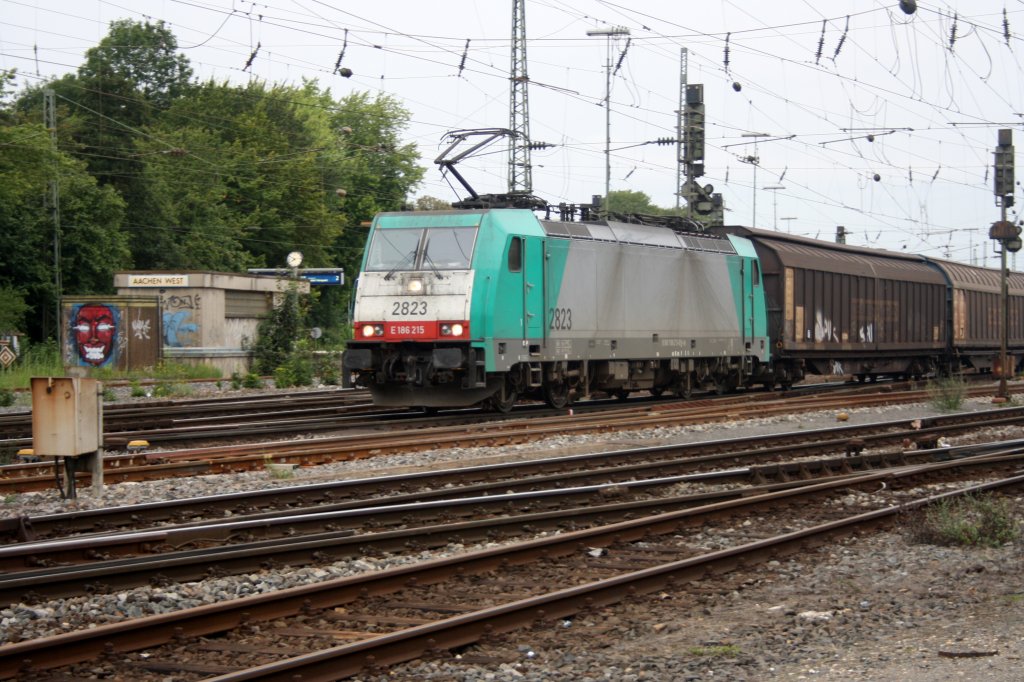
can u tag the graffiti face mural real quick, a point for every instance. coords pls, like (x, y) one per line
(95, 329)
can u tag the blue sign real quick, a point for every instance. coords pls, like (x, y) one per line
(323, 278)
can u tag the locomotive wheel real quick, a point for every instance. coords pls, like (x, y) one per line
(620, 394)
(556, 395)
(656, 391)
(504, 398)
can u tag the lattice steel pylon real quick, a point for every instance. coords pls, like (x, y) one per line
(519, 171)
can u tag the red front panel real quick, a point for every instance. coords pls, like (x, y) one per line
(426, 330)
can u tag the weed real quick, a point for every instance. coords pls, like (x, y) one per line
(972, 520)
(947, 394)
(108, 395)
(236, 380)
(136, 389)
(6, 397)
(284, 377)
(715, 651)
(252, 380)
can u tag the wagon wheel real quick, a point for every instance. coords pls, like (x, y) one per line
(620, 394)
(656, 391)
(556, 394)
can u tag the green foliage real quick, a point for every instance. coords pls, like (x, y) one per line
(159, 171)
(6, 397)
(627, 201)
(328, 368)
(283, 377)
(136, 389)
(12, 309)
(36, 360)
(973, 520)
(278, 333)
(252, 380)
(108, 395)
(429, 203)
(171, 389)
(93, 243)
(948, 393)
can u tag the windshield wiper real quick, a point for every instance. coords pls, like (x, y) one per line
(430, 261)
(398, 266)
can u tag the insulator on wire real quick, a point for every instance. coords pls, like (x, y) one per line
(252, 57)
(952, 31)
(1006, 28)
(821, 42)
(465, 53)
(728, 36)
(842, 38)
(341, 55)
(908, 6)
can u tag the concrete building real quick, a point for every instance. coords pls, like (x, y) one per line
(209, 318)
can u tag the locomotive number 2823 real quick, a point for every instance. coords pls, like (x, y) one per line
(409, 308)
(561, 318)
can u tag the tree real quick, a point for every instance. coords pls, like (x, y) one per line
(628, 201)
(429, 203)
(380, 172)
(93, 245)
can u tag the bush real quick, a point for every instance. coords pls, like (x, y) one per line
(327, 369)
(283, 377)
(236, 380)
(6, 397)
(972, 520)
(252, 380)
(948, 393)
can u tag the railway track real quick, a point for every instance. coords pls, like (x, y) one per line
(367, 622)
(255, 456)
(102, 563)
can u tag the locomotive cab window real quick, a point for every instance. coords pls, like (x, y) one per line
(435, 248)
(515, 255)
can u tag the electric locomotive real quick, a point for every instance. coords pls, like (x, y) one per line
(487, 305)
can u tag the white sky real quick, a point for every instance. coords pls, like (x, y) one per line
(934, 111)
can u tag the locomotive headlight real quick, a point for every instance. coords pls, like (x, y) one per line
(414, 286)
(456, 329)
(446, 329)
(367, 330)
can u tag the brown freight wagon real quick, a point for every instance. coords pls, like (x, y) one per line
(835, 309)
(975, 319)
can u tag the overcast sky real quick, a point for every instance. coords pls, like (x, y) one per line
(931, 90)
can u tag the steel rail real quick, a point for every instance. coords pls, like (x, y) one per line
(675, 457)
(69, 648)
(411, 643)
(187, 565)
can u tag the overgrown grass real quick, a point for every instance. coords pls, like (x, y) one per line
(969, 520)
(40, 360)
(947, 394)
(44, 360)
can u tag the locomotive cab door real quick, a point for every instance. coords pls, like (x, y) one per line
(526, 270)
(533, 288)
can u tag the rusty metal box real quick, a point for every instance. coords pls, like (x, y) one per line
(66, 416)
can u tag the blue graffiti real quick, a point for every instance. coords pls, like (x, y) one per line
(174, 324)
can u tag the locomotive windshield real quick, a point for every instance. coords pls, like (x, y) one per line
(434, 248)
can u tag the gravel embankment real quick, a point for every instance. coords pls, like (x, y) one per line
(871, 608)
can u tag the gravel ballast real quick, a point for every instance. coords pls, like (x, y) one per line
(875, 607)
